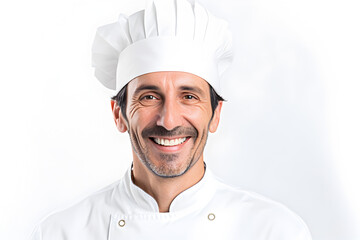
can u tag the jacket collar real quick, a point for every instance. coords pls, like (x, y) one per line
(193, 198)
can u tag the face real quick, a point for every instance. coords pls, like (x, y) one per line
(169, 116)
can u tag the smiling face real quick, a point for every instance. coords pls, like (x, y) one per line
(169, 116)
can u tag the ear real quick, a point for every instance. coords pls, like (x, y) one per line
(216, 118)
(118, 117)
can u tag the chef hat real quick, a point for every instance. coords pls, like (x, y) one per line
(168, 35)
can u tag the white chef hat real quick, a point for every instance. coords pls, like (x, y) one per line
(168, 35)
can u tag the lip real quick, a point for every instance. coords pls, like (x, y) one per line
(170, 149)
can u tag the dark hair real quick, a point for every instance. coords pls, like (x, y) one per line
(120, 99)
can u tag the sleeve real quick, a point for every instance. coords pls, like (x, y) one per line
(290, 226)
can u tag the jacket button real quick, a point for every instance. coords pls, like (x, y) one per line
(121, 223)
(211, 216)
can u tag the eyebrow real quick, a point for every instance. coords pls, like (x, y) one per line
(155, 88)
(146, 87)
(192, 89)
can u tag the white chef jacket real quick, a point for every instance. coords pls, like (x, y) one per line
(208, 210)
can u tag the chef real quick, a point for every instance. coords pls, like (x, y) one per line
(164, 64)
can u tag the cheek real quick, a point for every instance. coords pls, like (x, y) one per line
(199, 117)
(142, 118)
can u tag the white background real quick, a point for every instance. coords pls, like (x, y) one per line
(289, 130)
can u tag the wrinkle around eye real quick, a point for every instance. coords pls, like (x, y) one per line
(139, 103)
(133, 108)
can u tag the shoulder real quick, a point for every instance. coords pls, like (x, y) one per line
(100, 199)
(260, 212)
(87, 212)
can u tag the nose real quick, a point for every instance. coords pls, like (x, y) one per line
(170, 115)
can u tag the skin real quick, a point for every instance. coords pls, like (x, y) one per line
(167, 105)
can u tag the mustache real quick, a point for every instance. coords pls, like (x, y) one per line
(162, 132)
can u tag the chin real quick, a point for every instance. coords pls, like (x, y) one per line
(169, 168)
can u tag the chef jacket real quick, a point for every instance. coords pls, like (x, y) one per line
(208, 210)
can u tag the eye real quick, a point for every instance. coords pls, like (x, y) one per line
(189, 97)
(148, 97)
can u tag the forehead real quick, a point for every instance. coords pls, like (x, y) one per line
(169, 79)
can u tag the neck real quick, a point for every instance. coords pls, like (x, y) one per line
(164, 190)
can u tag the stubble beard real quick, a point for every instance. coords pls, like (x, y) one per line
(168, 169)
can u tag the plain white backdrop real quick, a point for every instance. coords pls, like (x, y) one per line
(289, 129)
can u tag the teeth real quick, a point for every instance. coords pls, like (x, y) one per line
(169, 143)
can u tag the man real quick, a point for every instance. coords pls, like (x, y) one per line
(165, 63)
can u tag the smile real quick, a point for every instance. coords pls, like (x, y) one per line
(169, 142)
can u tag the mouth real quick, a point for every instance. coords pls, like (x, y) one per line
(169, 142)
